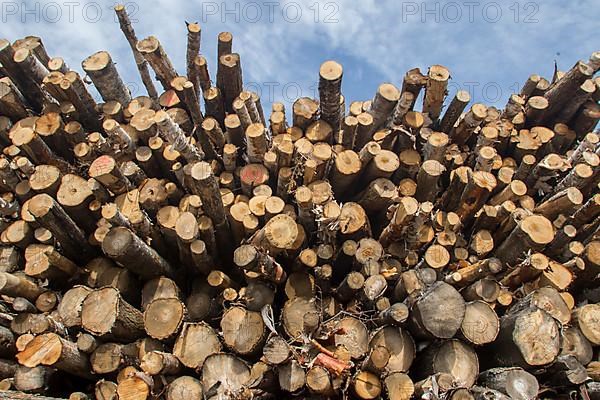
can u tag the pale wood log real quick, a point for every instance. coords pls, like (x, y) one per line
(125, 247)
(106, 313)
(163, 317)
(304, 112)
(451, 357)
(292, 376)
(34, 380)
(563, 202)
(28, 86)
(426, 317)
(428, 180)
(528, 336)
(230, 371)
(141, 63)
(514, 382)
(184, 387)
(213, 101)
(152, 51)
(330, 83)
(229, 77)
(53, 217)
(435, 91)
(243, 331)
(480, 324)
(105, 390)
(195, 343)
(173, 134)
(31, 143)
(465, 128)
(563, 90)
(383, 104)
(366, 385)
(399, 344)
(102, 71)
(51, 350)
(533, 232)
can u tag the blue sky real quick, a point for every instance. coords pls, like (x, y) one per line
(490, 47)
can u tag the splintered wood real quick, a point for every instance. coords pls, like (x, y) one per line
(190, 244)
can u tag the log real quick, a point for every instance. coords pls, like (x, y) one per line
(49, 349)
(164, 317)
(451, 358)
(528, 337)
(152, 51)
(35, 379)
(17, 285)
(243, 331)
(584, 317)
(399, 344)
(226, 369)
(533, 232)
(184, 387)
(229, 77)
(480, 324)
(514, 382)
(53, 217)
(158, 362)
(126, 248)
(105, 313)
(465, 128)
(140, 62)
(435, 90)
(173, 134)
(330, 84)
(426, 317)
(195, 343)
(102, 71)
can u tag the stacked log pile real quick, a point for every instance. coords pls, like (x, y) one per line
(152, 247)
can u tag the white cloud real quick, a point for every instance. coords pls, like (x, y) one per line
(383, 38)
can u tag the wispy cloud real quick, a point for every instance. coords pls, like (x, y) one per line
(376, 41)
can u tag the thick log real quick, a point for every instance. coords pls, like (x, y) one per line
(184, 387)
(514, 382)
(50, 349)
(528, 337)
(452, 358)
(533, 232)
(195, 343)
(17, 285)
(435, 91)
(222, 365)
(126, 248)
(105, 313)
(152, 51)
(330, 85)
(438, 313)
(163, 317)
(102, 71)
(54, 218)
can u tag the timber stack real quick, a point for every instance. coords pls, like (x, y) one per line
(192, 244)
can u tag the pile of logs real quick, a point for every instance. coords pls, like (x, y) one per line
(152, 247)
